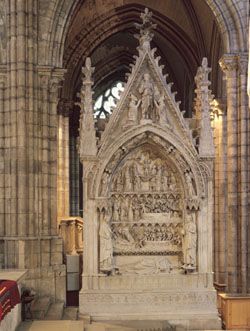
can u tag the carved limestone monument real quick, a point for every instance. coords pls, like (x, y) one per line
(148, 201)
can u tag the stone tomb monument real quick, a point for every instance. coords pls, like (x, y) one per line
(148, 200)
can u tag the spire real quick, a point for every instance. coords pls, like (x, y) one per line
(203, 101)
(87, 134)
(145, 30)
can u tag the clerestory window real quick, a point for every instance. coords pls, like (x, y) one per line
(104, 102)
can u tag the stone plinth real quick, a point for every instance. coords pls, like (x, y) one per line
(188, 299)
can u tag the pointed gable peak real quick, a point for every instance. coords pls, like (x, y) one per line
(145, 30)
(147, 98)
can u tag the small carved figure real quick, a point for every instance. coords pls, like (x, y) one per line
(124, 211)
(127, 180)
(136, 179)
(106, 246)
(189, 181)
(172, 182)
(133, 108)
(148, 266)
(130, 211)
(104, 185)
(116, 212)
(126, 234)
(136, 211)
(189, 241)
(164, 178)
(159, 109)
(158, 177)
(119, 182)
(147, 102)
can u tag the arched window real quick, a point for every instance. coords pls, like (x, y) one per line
(104, 102)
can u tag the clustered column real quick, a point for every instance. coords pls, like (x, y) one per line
(237, 171)
(50, 80)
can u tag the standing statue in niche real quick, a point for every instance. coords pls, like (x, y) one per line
(190, 185)
(106, 246)
(189, 234)
(147, 102)
(104, 186)
(133, 109)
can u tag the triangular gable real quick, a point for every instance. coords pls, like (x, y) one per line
(137, 107)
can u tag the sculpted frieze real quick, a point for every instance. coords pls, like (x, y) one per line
(145, 172)
(174, 300)
(146, 211)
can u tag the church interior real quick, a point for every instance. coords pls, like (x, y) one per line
(124, 169)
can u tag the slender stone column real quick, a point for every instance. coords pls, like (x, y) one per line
(243, 146)
(220, 199)
(2, 152)
(49, 83)
(229, 64)
(63, 206)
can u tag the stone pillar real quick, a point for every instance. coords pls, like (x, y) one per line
(50, 80)
(74, 177)
(243, 150)
(2, 151)
(30, 157)
(63, 182)
(229, 64)
(220, 202)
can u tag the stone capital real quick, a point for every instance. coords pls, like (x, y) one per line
(243, 63)
(229, 64)
(50, 77)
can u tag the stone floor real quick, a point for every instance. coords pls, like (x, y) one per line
(52, 326)
(66, 325)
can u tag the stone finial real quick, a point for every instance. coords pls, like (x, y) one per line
(202, 107)
(87, 134)
(201, 78)
(87, 70)
(145, 29)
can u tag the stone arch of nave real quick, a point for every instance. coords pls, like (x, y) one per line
(57, 14)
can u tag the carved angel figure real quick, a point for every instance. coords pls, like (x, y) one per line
(133, 108)
(106, 246)
(159, 110)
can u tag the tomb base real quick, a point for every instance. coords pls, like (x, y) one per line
(182, 300)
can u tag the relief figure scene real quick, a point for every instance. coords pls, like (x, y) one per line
(148, 225)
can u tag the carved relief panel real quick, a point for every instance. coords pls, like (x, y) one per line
(146, 214)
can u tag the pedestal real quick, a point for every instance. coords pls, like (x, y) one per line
(183, 300)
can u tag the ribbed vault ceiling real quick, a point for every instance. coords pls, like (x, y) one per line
(104, 29)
